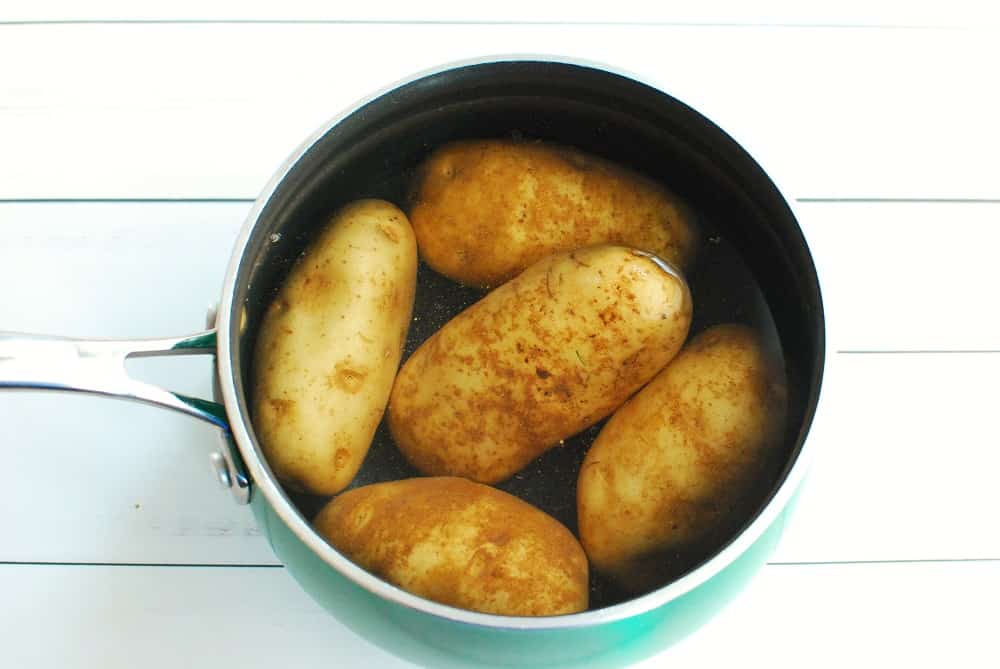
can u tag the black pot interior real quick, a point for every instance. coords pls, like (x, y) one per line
(753, 267)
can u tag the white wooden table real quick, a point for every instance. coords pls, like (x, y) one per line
(133, 140)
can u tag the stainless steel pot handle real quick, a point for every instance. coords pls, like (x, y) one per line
(97, 366)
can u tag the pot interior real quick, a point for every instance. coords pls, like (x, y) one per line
(753, 265)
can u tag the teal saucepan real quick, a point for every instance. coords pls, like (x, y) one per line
(754, 266)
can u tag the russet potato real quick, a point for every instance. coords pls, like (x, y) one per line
(679, 460)
(538, 359)
(460, 543)
(485, 210)
(330, 345)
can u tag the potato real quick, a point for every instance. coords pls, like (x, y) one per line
(330, 345)
(460, 543)
(679, 460)
(537, 360)
(485, 210)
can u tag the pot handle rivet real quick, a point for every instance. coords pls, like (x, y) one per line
(221, 469)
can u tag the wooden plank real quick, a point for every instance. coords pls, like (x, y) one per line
(904, 462)
(729, 12)
(208, 111)
(920, 615)
(903, 457)
(906, 276)
(106, 617)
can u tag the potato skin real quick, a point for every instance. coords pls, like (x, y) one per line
(330, 345)
(460, 543)
(540, 358)
(485, 210)
(674, 463)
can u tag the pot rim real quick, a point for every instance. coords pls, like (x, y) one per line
(266, 483)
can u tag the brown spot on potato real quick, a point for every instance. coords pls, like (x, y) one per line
(280, 408)
(390, 232)
(349, 378)
(315, 287)
(341, 458)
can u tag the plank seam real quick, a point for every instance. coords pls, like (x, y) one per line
(128, 200)
(920, 351)
(900, 561)
(458, 22)
(182, 565)
(898, 200)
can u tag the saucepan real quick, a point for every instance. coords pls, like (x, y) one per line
(754, 266)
